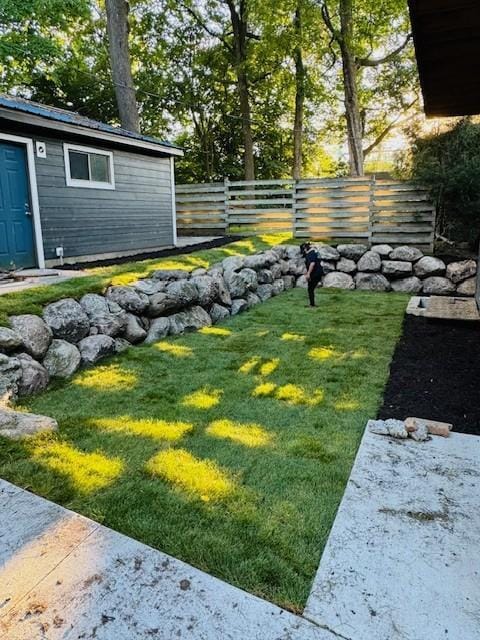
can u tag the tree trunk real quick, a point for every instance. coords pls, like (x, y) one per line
(239, 28)
(117, 28)
(350, 77)
(299, 96)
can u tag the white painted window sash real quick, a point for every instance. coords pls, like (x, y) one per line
(87, 184)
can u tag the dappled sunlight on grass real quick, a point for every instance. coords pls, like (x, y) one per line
(292, 337)
(275, 238)
(250, 435)
(148, 427)
(346, 405)
(294, 394)
(87, 472)
(262, 334)
(202, 478)
(323, 353)
(249, 365)
(174, 349)
(269, 367)
(202, 399)
(107, 378)
(264, 389)
(215, 331)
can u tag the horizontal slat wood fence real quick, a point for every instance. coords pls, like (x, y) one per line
(334, 209)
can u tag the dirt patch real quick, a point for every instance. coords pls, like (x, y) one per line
(435, 374)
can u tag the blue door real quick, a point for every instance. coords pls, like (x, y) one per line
(16, 227)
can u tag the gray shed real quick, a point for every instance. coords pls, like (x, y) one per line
(74, 189)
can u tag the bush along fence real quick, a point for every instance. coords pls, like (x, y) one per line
(338, 210)
(75, 333)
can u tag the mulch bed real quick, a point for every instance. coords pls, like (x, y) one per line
(435, 373)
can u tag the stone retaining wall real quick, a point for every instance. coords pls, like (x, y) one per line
(75, 333)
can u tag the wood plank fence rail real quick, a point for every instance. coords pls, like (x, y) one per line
(334, 209)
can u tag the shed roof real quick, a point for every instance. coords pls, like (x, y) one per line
(41, 114)
(447, 44)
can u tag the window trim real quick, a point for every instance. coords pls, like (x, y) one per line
(87, 184)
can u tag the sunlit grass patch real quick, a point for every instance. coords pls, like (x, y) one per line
(249, 365)
(147, 427)
(292, 337)
(202, 478)
(111, 377)
(269, 367)
(87, 472)
(174, 349)
(264, 389)
(250, 435)
(215, 331)
(323, 353)
(346, 404)
(202, 399)
(294, 394)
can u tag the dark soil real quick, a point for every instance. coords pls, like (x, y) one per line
(164, 253)
(435, 374)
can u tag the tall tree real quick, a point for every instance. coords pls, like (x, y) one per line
(300, 75)
(117, 27)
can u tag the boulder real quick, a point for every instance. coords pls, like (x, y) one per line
(108, 323)
(406, 253)
(134, 330)
(346, 265)
(328, 267)
(429, 266)
(284, 266)
(276, 271)
(149, 286)
(62, 359)
(459, 271)
(383, 250)
(169, 274)
(371, 282)
(278, 287)
(467, 287)
(257, 261)
(239, 305)
(296, 267)
(338, 280)
(302, 282)
(264, 292)
(236, 285)
(252, 299)
(36, 335)
(115, 308)
(281, 251)
(271, 257)
(250, 278)
(207, 289)
(200, 271)
(94, 304)
(292, 251)
(265, 276)
(129, 299)
(407, 285)
(159, 328)
(396, 268)
(94, 348)
(34, 378)
(218, 312)
(438, 286)
(325, 252)
(67, 320)
(189, 320)
(370, 262)
(223, 294)
(352, 251)
(93, 331)
(17, 425)
(10, 375)
(121, 345)
(161, 303)
(233, 263)
(9, 339)
(183, 292)
(288, 282)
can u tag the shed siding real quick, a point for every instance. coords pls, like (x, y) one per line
(136, 215)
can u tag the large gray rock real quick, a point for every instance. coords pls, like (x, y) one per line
(149, 286)
(467, 287)
(250, 278)
(328, 267)
(296, 267)
(94, 304)
(189, 320)
(325, 252)
(159, 328)
(407, 285)
(292, 251)
(183, 292)
(35, 334)
(264, 292)
(271, 257)
(129, 299)
(276, 271)
(134, 330)
(252, 299)
(346, 265)
(218, 312)
(233, 263)
(288, 281)
(239, 305)
(438, 286)
(10, 375)
(257, 261)
(62, 359)
(278, 287)
(352, 251)
(410, 254)
(236, 285)
(429, 266)
(169, 274)
(9, 339)
(284, 266)
(17, 425)
(121, 345)
(338, 280)
(396, 268)
(458, 271)
(94, 348)
(67, 320)
(161, 303)
(371, 282)
(265, 276)
(207, 289)
(383, 250)
(34, 378)
(370, 262)
(223, 294)
(302, 282)
(281, 251)
(108, 323)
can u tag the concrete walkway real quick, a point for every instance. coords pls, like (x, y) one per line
(39, 278)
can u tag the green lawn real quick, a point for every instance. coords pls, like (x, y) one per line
(32, 300)
(228, 448)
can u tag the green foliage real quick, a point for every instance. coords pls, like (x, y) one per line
(449, 164)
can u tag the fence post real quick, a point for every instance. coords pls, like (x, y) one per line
(226, 196)
(371, 211)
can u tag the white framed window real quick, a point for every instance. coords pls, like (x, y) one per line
(88, 167)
